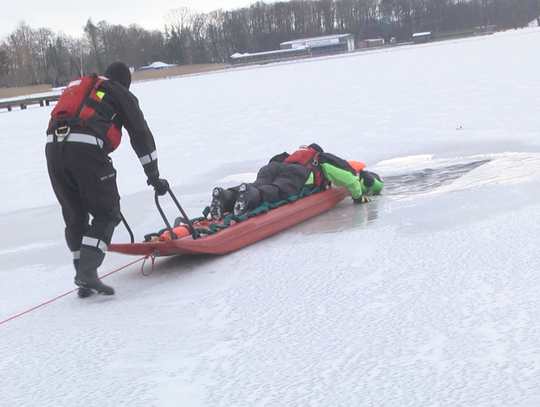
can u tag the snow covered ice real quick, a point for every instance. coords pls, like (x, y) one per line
(426, 296)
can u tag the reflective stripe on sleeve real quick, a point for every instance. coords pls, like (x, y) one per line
(76, 255)
(147, 159)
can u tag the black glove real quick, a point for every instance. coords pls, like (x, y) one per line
(161, 186)
(361, 199)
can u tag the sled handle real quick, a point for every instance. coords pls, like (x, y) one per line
(124, 221)
(169, 228)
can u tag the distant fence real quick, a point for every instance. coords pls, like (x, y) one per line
(270, 56)
(447, 35)
(24, 102)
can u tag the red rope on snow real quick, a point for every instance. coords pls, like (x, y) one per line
(37, 306)
(75, 289)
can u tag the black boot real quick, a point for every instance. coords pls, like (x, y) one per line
(222, 202)
(82, 292)
(248, 198)
(87, 277)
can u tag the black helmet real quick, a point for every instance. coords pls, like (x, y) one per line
(118, 71)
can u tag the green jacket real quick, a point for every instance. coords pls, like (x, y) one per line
(336, 170)
(340, 173)
(341, 178)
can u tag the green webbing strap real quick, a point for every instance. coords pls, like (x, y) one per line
(263, 208)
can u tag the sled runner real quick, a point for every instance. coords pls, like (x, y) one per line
(191, 238)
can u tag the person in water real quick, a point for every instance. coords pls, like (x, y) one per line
(286, 174)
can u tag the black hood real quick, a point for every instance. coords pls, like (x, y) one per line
(317, 147)
(118, 71)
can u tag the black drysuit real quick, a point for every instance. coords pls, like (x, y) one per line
(84, 179)
(277, 180)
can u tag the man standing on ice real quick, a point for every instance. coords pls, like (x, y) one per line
(85, 126)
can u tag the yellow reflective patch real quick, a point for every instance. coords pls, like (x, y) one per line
(100, 94)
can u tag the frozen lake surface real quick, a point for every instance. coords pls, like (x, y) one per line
(426, 296)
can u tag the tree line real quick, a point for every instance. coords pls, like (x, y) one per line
(40, 56)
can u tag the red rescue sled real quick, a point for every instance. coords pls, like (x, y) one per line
(238, 234)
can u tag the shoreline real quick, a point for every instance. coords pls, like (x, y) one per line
(7, 93)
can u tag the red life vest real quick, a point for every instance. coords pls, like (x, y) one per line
(309, 157)
(80, 105)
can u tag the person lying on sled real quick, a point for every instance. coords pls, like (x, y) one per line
(286, 174)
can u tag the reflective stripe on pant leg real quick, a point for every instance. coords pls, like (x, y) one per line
(93, 242)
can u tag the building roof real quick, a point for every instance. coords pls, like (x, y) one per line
(156, 65)
(421, 34)
(323, 38)
(279, 51)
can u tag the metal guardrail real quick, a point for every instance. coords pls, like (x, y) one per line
(24, 102)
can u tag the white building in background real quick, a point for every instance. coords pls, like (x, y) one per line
(301, 48)
(157, 65)
(328, 44)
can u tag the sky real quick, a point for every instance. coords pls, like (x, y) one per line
(55, 15)
(428, 295)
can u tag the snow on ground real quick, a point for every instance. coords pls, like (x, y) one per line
(426, 296)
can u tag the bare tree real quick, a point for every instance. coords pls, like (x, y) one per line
(29, 56)
(178, 34)
(4, 66)
(143, 47)
(93, 36)
(115, 43)
(58, 56)
(22, 49)
(79, 51)
(43, 37)
(237, 32)
(217, 45)
(199, 24)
